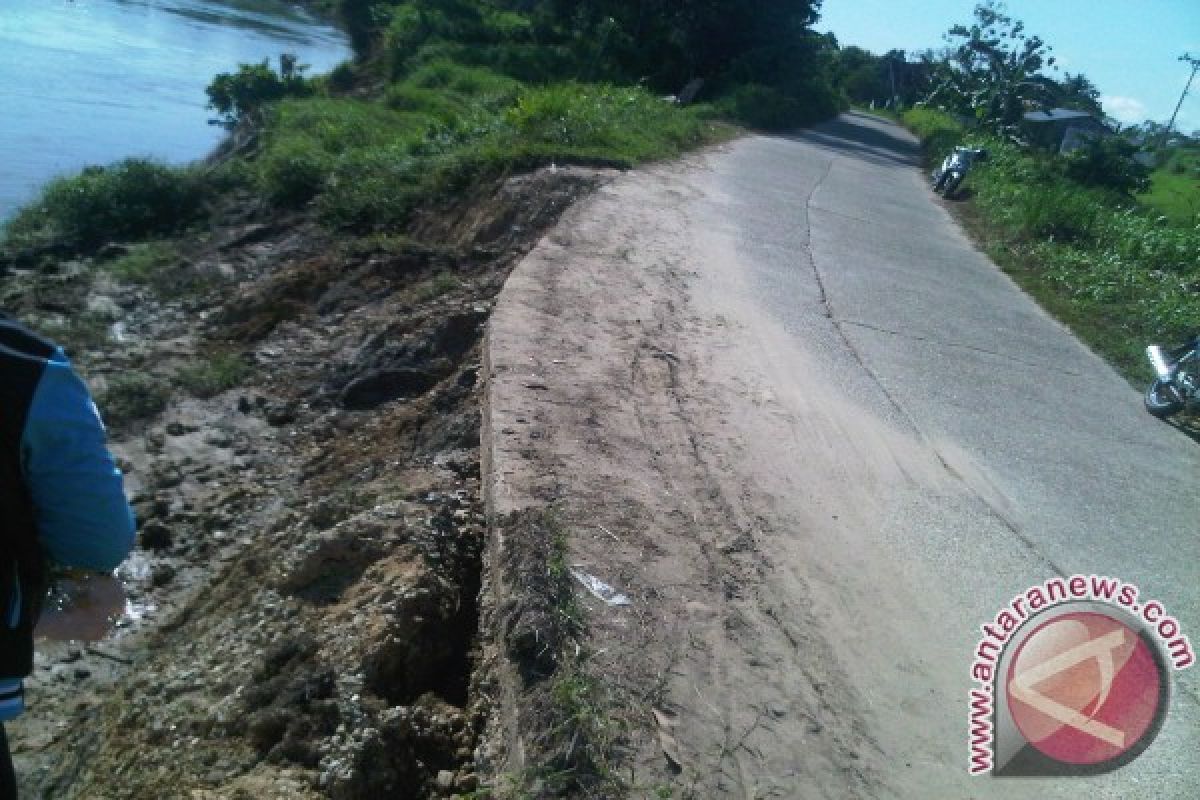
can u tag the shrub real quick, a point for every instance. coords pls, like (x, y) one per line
(314, 143)
(234, 95)
(131, 397)
(1056, 212)
(213, 376)
(143, 262)
(343, 77)
(293, 170)
(1107, 163)
(130, 200)
(770, 109)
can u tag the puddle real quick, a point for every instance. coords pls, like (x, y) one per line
(83, 607)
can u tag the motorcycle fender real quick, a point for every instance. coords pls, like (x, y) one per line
(1159, 362)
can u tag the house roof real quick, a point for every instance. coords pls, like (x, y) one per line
(1055, 115)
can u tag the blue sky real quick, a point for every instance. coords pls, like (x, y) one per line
(1127, 48)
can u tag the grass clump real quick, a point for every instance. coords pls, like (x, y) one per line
(130, 200)
(214, 375)
(440, 284)
(79, 332)
(131, 397)
(143, 262)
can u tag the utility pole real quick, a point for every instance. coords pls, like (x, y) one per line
(1195, 62)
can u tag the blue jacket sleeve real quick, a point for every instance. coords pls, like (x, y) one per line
(82, 516)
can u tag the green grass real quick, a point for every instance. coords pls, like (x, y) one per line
(366, 165)
(127, 201)
(1119, 277)
(213, 375)
(143, 262)
(1175, 189)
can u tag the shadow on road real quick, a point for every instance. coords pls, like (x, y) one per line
(1188, 426)
(848, 134)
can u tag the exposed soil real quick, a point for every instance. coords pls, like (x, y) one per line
(303, 600)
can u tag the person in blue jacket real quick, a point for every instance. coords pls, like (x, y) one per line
(62, 500)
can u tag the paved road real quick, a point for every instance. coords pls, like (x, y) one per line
(819, 440)
(842, 246)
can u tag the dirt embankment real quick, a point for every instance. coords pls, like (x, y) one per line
(305, 587)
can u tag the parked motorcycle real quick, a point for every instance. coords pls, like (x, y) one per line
(949, 176)
(1178, 383)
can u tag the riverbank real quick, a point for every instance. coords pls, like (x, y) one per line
(310, 538)
(285, 342)
(95, 81)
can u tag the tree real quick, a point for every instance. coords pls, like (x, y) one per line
(993, 70)
(233, 95)
(1077, 92)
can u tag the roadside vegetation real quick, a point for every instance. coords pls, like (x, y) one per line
(445, 94)
(1076, 231)
(1175, 187)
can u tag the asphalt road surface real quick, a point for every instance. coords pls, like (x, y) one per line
(845, 248)
(826, 440)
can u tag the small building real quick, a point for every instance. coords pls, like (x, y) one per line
(1062, 130)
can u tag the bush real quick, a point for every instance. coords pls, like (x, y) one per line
(130, 200)
(770, 109)
(293, 170)
(1107, 163)
(131, 397)
(370, 188)
(443, 106)
(343, 77)
(143, 262)
(446, 125)
(234, 95)
(1055, 212)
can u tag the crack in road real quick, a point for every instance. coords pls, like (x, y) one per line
(839, 325)
(973, 348)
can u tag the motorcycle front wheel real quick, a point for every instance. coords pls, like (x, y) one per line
(951, 185)
(1163, 400)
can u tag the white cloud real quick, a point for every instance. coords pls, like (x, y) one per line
(1125, 109)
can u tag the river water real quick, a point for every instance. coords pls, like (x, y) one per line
(93, 81)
